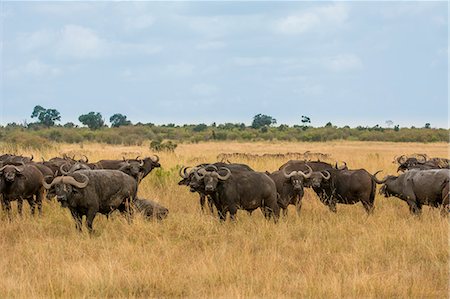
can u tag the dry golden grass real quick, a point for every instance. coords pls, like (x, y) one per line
(319, 254)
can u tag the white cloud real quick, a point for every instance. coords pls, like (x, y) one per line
(347, 62)
(204, 89)
(80, 42)
(312, 19)
(30, 42)
(252, 61)
(33, 68)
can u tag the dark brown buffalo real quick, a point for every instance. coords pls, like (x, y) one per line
(195, 185)
(290, 187)
(150, 163)
(137, 168)
(56, 163)
(150, 209)
(246, 190)
(14, 159)
(418, 188)
(21, 183)
(335, 186)
(421, 162)
(88, 192)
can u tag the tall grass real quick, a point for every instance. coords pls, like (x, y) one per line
(319, 254)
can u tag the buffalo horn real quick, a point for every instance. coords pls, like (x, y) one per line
(72, 181)
(326, 172)
(306, 176)
(225, 177)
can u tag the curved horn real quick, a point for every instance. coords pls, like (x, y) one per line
(286, 175)
(54, 181)
(182, 172)
(308, 175)
(424, 158)
(32, 157)
(141, 163)
(325, 177)
(137, 158)
(401, 159)
(374, 176)
(156, 160)
(61, 169)
(225, 177)
(1, 169)
(72, 181)
(196, 174)
(211, 166)
(342, 167)
(86, 160)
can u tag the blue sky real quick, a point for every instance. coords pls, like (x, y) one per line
(351, 63)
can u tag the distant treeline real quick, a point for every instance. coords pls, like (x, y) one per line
(36, 136)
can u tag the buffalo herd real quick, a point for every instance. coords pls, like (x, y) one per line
(109, 185)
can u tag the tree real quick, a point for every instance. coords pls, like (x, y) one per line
(93, 120)
(328, 125)
(389, 123)
(118, 120)
(427, 126)
(200, 127)
(262, 120)
(70, 125)
(46, 117)
(306, 120)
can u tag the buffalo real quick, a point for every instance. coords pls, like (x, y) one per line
(149, 209)
(240, 189)
(88, 192)
(344, 186)
(196, 185)
(420, 162)
(290, 187)
(418, 188)
(19, 183)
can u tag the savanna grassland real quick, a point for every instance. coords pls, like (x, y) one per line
(319, 254)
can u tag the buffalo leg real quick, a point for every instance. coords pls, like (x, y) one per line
(414, 208)
(298, 206)
(7, 205)
(233, 211)
(202, 202)
(20, 206)
(32, 204)
(332, 205)
(90, 219)
(78, 219)
(211, 205)
(222, 214)
(368, 207)
(39, 198)
(445, 209)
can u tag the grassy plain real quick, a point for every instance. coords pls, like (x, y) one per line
(319, 254)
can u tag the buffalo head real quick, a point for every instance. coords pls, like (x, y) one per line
(316, 178)
(66, 188)
(296, 177)
(10, 172)
(212, 177)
